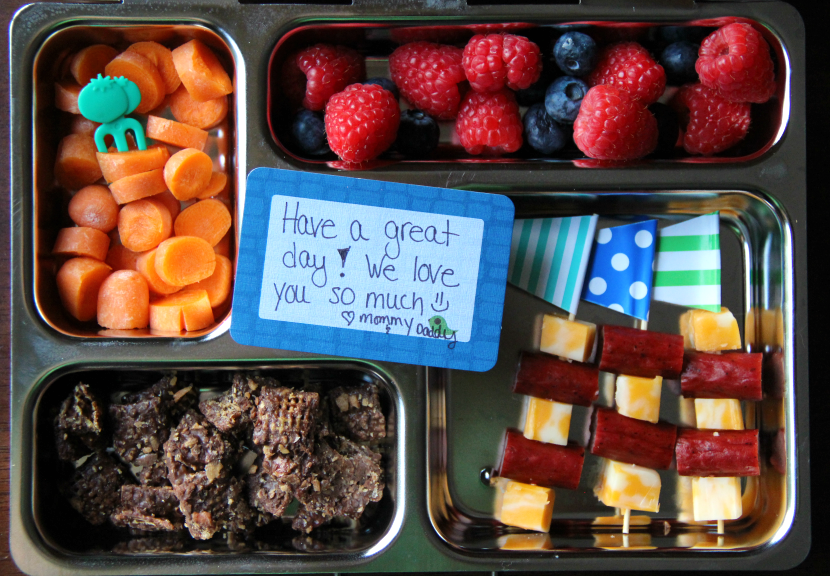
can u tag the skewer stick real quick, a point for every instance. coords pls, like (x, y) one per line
(720, 527)
(571, 317)
(626, 519)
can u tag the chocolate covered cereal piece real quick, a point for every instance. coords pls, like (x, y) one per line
(69, 446)
(153, 471)
(356, 413)
(176, 397)
(196, 446)
(150, 509)
(285, 420)
(140, 427)
(210, 506)
(95, 488)
(268, 490)
(79, 425)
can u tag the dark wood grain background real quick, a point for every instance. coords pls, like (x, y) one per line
(816, 15)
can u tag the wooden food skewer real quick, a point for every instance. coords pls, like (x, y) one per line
(626, 519)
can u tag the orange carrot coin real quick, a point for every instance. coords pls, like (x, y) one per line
(76, 165)
(66, 96)
(218, 183)
(186, 310)
(218, 284)
(137, 68)
(83, 126)
(121, 258)
(201, 72)
(146, 265)
(116, 165)
(187, 173)
(81, 241)
(171, 202)
(207, 219)
(204, 115)
(124, 301)
(223, 247)
(78, 282)
(184, 260)
(94, 207)
(143, 224)
(90, 62)
(162, 57)
(175, 133)
(138, 186)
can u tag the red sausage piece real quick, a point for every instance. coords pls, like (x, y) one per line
(717, 452)
(633, 441)
(734, 375)
(545, 376)
(641, 353)
(534, 462)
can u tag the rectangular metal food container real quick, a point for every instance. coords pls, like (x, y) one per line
(449, 422)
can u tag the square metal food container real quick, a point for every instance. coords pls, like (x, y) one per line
(447, 424)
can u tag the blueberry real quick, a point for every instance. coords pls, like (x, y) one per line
(309, 131)
(564, 97)
(535, 92)
(575, 53)
(384, 83)
(678, 60)
(672, 34)
(668, 129)
(542, 132)
(417, 134)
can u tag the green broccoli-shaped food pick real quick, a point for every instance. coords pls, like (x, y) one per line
(108, 101)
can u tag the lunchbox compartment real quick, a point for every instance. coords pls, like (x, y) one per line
(50, 125)
(756, 270)
(377, 39)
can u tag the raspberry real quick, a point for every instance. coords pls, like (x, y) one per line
(428, 75)
(494, 60)
(361, 122)
(489, 123)
(313, 75)
(613, 125)
(628, 66)
(735, 61)
(715, 123)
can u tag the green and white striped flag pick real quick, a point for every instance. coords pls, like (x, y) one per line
(687, 264)
(548, 257)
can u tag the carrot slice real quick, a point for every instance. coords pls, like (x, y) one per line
(175, 133)
(90, 62)
(208, 219)
(133, 66)
(66, 96)
(218, 284)
(81, 241)
(223, 247)
(218, 183)
(143, 224)
(138, 186)
(201, 72)
(183, 260)
(121, 258)
(94, 207)
(146, 265)
(187, 173)
(116, 165)
(78, 282)
(83, 126)
(187, 310)
(171, 202)
(202, 115)
(76, 165)
(162, 57)
(124, 301)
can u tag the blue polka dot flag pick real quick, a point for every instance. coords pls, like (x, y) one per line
(620, 272)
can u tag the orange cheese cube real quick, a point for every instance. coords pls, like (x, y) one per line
(538, 541)
(628, 486)
(567, 338)
(639, 397)
(719, 414)
(523, 505)
(547, 421)
(717, 498)
(707, 331)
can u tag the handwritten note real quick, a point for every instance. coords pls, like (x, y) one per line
(337, 265)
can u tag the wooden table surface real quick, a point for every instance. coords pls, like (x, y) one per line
(817, 18)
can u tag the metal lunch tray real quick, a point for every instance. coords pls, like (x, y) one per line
(448, 423)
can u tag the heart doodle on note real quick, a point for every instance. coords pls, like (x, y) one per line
(348, 316)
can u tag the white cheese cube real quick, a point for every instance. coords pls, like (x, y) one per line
(639, 397)
(628, 486)
(523, 505)
(567, 338)
(716, 498)
(719, 414)
(547, 421)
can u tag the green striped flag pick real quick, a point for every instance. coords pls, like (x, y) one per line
(548, 257)
(687, 264)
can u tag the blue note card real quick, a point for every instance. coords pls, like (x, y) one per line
(375, 270)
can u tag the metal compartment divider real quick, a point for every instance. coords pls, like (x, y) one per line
(37, 351)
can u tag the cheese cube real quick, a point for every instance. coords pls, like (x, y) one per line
(567, 338)
(537, 541)
(717, 498)
(547, 421)
(683, 499)
(628, 486)
(523, 505)
(719, 414)
(639, 397)
(686, 414)
(707, 331)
